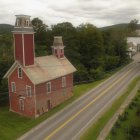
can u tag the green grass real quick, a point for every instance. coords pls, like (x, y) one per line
(132, 119)
(12, 125)
(93, 132)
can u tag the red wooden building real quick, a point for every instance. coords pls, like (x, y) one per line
(37, 84)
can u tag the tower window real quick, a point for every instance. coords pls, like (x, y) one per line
(17, 23)
(27, 22)
(61, 53)
(19, 72)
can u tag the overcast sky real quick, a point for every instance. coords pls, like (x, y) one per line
(98, 12)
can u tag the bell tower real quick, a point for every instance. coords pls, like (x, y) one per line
(24, 41)
(58, 47)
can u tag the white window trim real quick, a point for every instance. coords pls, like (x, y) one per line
(27, 93)
(13, 84)
(21, 73)
(17, 22)
(20, 107)
(49, 83)
(63, 81)
(27, 22)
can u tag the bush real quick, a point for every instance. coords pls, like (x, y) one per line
(124, 116)
(138, 111)
(117, 125)
(113, 131)
(97, 73)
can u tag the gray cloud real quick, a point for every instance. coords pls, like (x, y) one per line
(97, 12)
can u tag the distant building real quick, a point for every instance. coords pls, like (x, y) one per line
(37, 84)
(133, 45)
(138, 32)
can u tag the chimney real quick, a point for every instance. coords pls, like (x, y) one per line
(58, 47)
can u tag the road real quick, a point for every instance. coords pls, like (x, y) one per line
(72, 121)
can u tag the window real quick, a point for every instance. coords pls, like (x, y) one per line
(55, 50)
(13, 87)
(19, 72)
(27, 22)
(28, 91)
(21, 104)
(61, 53)
(48, 87)
(63, 81)
(17, 23)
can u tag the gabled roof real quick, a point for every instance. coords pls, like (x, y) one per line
(45, 69)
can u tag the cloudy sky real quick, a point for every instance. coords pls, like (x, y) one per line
(98, 12)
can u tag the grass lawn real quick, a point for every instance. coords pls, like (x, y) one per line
(126, 128)
(93, 132)
(12, 125)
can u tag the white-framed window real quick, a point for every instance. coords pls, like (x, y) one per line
(28, 91)
(27, 22)
(17, 23)
(63, 81)
(61, 50)
(19, 72)
(13, 87)
(48, 87)
(21, 104)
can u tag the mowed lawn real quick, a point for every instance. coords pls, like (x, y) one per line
(13, 126)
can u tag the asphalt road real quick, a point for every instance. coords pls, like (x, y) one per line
(72, 121)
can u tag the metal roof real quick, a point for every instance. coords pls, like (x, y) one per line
(133, 39)
(47, 68)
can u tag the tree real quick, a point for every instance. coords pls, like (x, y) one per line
(132, 26)
(40, 31)
(38, 25)
(115, 46)
(91, 47)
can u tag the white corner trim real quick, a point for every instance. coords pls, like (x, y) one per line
(23, 49)
(35, 100)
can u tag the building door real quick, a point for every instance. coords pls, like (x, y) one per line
(49, 104)
(21, 104)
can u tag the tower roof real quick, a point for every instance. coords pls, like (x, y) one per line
(23, 24)
(58, 41)
(21, 15)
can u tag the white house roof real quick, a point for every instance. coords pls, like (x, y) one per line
(46, 68)
(134, 40)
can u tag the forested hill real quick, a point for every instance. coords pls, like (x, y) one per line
(118, 26)
(6, 28)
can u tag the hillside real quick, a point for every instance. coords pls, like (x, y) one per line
(117, 26)
(5, 28)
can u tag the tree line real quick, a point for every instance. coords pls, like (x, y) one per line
(91, 50)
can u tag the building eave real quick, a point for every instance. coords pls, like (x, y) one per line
(9, 72)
